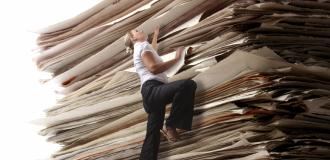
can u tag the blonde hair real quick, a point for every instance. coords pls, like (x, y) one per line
(129, 43)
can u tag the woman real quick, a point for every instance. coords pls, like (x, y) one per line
(157, 92)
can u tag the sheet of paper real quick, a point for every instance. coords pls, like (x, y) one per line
(176, 67)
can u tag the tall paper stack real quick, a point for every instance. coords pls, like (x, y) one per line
(261, 68)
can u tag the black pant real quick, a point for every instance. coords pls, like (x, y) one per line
(156, 95)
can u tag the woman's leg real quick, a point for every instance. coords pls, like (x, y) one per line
(156, 114)
(152, 140)
(182, 108)
(182, 95)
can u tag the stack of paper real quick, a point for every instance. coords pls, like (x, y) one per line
(261, 68)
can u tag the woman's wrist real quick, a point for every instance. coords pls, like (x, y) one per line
(177, 59)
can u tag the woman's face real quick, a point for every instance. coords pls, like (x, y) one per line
(139, 35)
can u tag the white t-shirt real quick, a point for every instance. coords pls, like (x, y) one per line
(143, 72)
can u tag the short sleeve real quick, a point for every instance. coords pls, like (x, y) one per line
(146, 47)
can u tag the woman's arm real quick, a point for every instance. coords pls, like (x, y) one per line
(154, 39)
(156, 68)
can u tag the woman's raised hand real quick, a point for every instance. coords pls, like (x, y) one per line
(156, 31)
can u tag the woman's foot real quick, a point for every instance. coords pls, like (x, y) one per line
(171, 134)
(180, 130)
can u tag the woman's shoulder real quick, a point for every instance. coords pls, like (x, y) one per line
(138, 46)
(143, 46)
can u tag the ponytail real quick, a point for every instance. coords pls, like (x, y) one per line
(129, 43)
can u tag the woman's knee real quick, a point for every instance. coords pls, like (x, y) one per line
(191, 84)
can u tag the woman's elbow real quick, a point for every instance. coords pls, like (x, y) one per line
(153, 69)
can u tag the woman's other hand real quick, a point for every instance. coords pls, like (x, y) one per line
(179, 52)
(155, 37)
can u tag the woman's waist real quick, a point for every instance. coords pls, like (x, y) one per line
(148, 84)
(152, 82)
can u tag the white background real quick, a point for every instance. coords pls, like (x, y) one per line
(23, 98)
